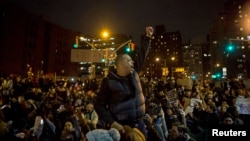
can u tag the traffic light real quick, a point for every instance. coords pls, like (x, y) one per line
(165, 71)
(127, 49)
(216, 76)
(132, 46)
(193, 77)
(76, 44)
(230, 47)
(103, 60)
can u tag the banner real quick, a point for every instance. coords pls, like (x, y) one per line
(187, 83)
(243, 105)
(192, 102)
(172, 96)
(247, 83)
(87, 55)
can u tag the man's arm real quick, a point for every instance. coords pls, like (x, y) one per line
(144, 49)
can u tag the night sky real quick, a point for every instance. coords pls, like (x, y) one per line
(191, 17)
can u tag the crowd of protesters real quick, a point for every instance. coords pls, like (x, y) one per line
(41, 109)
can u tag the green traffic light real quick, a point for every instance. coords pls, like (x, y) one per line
(75, 46)
(127, 49)
(193, 77)
(230, 47)
(214, 76)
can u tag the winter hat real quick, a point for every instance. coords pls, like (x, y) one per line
(133, 134)
(103, 135)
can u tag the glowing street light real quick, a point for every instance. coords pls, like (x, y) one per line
(157, 59)
(105, 34)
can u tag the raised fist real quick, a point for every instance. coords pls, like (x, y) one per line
(149, 31)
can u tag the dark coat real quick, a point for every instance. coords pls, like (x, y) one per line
(123, 96)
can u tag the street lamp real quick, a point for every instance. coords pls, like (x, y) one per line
(105, 34)
(157, 59)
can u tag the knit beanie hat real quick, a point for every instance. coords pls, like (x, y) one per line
(103, 135)
(133, 134)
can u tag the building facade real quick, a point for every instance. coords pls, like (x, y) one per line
(32, 43)
(229, 40)
(165, 54)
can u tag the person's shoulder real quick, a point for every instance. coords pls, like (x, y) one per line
(104, 80)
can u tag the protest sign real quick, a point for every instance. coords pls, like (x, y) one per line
(243, 105)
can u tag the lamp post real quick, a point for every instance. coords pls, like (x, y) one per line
(158, 67)
(172, 70)
(105, 34)
(106, 58)
(165, 71)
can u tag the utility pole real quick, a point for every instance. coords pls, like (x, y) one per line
(165, 71)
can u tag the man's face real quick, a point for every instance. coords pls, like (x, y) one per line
(89, 108)
(68, 126)
(128, 64)
(174, 132)
(228, 121)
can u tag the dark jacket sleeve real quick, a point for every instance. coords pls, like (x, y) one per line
(142, 53)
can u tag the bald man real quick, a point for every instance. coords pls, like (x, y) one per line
(120, 100)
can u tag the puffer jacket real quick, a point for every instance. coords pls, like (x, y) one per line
(120, 98)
